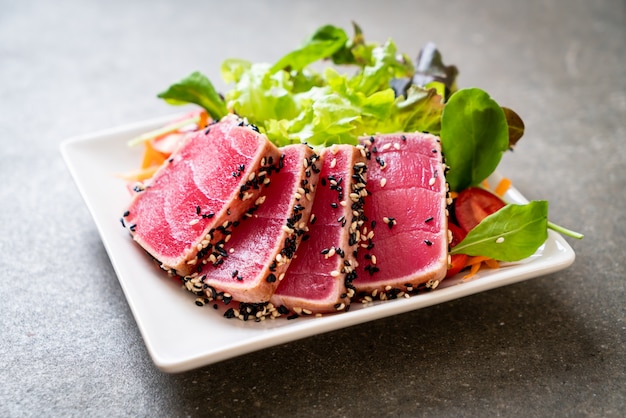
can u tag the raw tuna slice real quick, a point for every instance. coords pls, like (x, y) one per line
(207, 184)
(262, 244)
(319, 277)
(406, 234)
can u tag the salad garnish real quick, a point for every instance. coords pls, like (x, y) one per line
(368, 88)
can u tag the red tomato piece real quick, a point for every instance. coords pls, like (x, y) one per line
(457, 234)
(457, 263)
(474, 204)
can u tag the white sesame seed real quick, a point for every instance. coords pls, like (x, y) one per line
(500, 240)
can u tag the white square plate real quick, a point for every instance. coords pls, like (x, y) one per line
(179, 335)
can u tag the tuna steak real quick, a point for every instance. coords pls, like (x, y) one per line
(191, 201)
(262, 244)
(319, 277)
(407, 239)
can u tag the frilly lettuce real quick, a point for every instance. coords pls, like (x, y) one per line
(291, 102)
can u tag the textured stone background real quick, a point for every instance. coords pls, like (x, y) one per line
(551, 346)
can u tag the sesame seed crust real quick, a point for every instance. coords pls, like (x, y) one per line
(251, 284)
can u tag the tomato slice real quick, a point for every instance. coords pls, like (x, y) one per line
(474, 204)
(457, 263)
(457, 234)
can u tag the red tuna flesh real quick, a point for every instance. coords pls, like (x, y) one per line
(209, 182)
(319, 277)
(264, 241)
(407, 238)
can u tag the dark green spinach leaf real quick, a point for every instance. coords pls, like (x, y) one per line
(510, 234)
(474, 135)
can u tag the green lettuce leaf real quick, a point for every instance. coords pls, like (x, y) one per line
(196, 88)
(326, 41)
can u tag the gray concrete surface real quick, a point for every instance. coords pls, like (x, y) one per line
(551, 346)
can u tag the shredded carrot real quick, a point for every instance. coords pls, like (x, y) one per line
(492, 264)
(485, 184)
(151, 157)
(476, 262)
(473, 270)
(502, 186)
(204, 120)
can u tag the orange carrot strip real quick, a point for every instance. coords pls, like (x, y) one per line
(204, 120)
(485, 184)
(502, 186)
(473, 270)
(476, 260)
(151, 157)
(492, 264)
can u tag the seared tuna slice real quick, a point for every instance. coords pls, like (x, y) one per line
(263, 243)
(406, 239)
(209, 182)
(319, 277)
